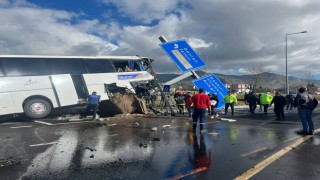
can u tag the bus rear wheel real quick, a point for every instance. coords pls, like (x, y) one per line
(37, 108)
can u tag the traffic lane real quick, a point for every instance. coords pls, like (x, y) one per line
(300, 163)
(221, 134)
(16, 153)
(131, 149)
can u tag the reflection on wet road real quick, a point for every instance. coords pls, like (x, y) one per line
(131, 150)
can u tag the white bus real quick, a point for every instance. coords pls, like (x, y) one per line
(35, 85)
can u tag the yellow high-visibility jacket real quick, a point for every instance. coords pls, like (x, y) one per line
(266, 98)
(230, 98)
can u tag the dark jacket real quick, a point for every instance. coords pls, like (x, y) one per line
(279, 101)
(290, 98)
(252, 98)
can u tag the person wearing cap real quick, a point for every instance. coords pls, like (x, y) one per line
(230, 99)
(93, 103)
(201, 102)
(305, 103)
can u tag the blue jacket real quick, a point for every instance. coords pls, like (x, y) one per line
(93, 99)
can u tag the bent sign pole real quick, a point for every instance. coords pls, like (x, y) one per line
(161, 91)
(184, 57)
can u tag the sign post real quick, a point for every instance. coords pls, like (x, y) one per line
(211, 84)
(183, 55)
(166, 88)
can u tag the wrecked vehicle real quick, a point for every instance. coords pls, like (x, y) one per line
(37, 85)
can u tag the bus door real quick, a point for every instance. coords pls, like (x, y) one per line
(80, 86)
(64, 89)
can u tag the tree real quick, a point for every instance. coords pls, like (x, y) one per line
(309, 77)
(256, 79)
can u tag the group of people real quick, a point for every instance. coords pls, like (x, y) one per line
(266, 100)
(185, 103)
(198, 104)
(304, 102)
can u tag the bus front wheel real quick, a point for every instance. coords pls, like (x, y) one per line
(37, 108)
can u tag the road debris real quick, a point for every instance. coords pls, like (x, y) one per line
(166, 126)
(91, 149)
(143, 145)
(228, 120)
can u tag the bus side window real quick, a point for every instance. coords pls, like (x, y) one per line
(67, 66)
(121, 66)
(25, 67)
(99, 66)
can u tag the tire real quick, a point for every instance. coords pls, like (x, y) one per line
(37, 108)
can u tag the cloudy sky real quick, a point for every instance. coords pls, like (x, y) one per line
(230, 35)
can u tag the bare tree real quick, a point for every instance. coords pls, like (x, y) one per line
(256, 79)
(309, 77)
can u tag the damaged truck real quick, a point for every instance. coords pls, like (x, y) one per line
(37, 85)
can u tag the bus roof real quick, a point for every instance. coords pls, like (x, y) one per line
(77, 57)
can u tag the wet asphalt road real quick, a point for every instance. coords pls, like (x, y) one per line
(127, 148)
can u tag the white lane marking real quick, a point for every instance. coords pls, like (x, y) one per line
(16, 127)
(43, 144)
(263, 164)
(50, 124)
(254, 151)
(3, 124)
(71, 123)
(41, 122)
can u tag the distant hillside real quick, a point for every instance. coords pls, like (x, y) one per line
(269, 79)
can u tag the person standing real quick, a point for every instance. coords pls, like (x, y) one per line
(214, 100)
(201, 102)
(230, 99)
(305, 103)
(265, 100)
(290, 101)
(189, 104)
(93, 103)
(279, 103)
(252, 100)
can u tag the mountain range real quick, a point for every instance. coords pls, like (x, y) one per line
(266, 79)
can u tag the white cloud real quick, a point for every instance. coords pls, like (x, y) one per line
(233, 35)
(33, 30)
(144, 10)
(198, 43)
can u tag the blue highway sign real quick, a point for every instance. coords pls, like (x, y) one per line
(183, 55)
(166, 88)
(211, 84)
